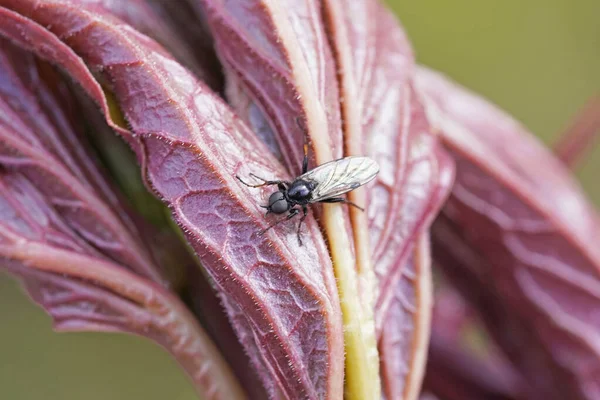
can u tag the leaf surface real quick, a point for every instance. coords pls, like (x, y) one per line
(521, 227)
(190, 146)
(383, 119)
(278, 59)
(67, 235)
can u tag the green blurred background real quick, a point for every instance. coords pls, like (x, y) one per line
(537, 59)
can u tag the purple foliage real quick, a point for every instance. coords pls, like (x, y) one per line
(213, 89)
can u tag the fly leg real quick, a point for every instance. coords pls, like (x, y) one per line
(280, 184)
(305, 211)
(342, 200)
(292, 214)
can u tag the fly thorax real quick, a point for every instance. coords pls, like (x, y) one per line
(300, 190)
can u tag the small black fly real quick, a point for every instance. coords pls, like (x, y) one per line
(323, 184)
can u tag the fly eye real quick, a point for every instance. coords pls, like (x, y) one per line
(279, 207)
(277, 203)
(275, 197)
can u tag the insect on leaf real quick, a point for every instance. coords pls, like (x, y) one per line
(385, 121)
(277, 54)
(190, 146)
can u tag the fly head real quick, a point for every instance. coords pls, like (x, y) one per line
(278, 204)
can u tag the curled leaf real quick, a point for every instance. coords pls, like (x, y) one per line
(453, 374)
(385, 121)
(190, 146)
(405, 338)
(38, 142)
(279, 52)
(462, 362)
(404, 205)
(277, 57)
(374, 71)
(518, 223)
(173, 25)
(67, 235)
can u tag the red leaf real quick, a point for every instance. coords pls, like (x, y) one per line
(405, 204)
(453, 374)
(38, 245)
(66, 234)
(39, 142)
(191, 146)
(519, 223)
(173, 25)
(385, 120)
(462, 362)
(404, 339)
(281, 73)
(280, 54)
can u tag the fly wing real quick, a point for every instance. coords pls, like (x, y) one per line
(340, 176)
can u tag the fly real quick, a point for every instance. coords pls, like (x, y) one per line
(323, 184)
